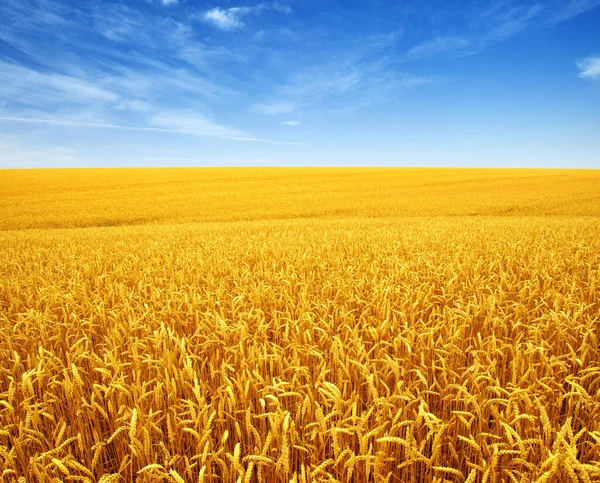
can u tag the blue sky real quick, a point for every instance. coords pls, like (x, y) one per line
(299, 82)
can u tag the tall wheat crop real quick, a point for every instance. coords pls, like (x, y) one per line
(340, 327)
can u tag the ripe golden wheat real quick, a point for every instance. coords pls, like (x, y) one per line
(347, 347)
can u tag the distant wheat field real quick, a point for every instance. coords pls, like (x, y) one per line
(300, 325)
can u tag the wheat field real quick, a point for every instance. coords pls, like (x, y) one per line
(300, 325)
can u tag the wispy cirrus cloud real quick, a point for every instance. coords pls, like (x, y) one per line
(333, 88)
(120, 22)
(23, 15)
(438, 46)
(40, 89)
(357, 71)
(502, 20)
(196, 127)
(589, 68)
(232, 18)
(188, 121)
(83, 94)
(290, 123)
(117, 88)
(109, 87)
(492, 22)
(352, 81)
(571, 8)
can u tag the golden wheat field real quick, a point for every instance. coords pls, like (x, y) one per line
(300, 325)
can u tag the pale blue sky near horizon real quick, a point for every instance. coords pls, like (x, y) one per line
(299, 83)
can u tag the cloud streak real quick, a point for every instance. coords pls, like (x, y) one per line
(348, 82)
(438, 46)
(41, 88)
(493, 22)
(571, 9)
(589, 68)
(118, 127)
(231, 18)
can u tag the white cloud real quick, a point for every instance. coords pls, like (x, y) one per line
(344, 81)
(332, 81)
(359, 77)
(440, 45)
(231, 18)
(42, 89)
(281, 8)
(191, 122)
(291, 123)
(43, 15)
(170, 2)
(165, 122)
(124, 89)
(407, 81)
(226, 19)
(93, 125)
(572, 8)
(492, 22)
(589, 68)
(503, 20)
